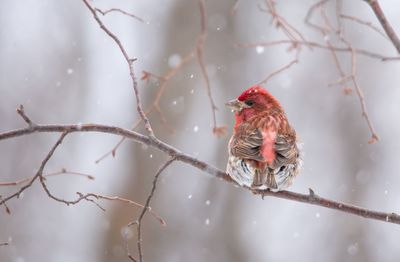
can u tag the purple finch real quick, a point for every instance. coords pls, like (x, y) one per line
(263, 150)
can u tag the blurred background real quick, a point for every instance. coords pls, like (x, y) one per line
(57, 62)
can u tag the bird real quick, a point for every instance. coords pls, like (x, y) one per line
(264, 152)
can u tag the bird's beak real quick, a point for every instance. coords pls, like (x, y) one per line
(236, 105)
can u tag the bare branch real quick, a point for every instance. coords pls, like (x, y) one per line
(182, 157)
(234, 7)
(129, 61)
(119, 11)
(138, 222)
(374, 4)
(290, 31)
(155, 106)
(40, 170)
(63, 171)
(321, 46)
(310, 13)
(167, 76)
(328, 28)
(125, 201)
(274, 73)
(362, 22)
(219, 131)
(5, 206)
(360, 94)
(21, 112)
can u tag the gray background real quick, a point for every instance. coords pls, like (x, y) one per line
(58, 63)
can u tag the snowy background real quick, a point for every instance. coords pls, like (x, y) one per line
(55, 60)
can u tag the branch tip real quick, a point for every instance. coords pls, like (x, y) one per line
(311, 194)
(21, 112)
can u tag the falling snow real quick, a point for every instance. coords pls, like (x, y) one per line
(174, 60)
(126, 232)
(260, 49)
(79, 126)
(178, 104)
(208, 202)
(190, 196)
(317, 215)
(195, 129)
(21, 195)
(70, 71)
(352, 249)
(207, 222)
(285, 81)
(217, 22)
(191, 76)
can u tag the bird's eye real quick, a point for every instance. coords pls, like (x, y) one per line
(249, 102)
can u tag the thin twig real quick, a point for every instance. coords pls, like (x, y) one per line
(362, 22)
(138, 222)
(290, 31)
(343, 77)
(310, 13)
(219, 131)
(321, 46)
(234, 8)
(325, 31)
(374, 4)
(185, 158)
(155, 105)
(119, 11)
(21, 112)
(125, 201)
(360, 94)
(274, 73)
(164, 80)
(40, 170)
(61, 172)
(129, 61)
(5, 206)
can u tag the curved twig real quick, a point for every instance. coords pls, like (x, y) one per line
(129, 61)
(138, 222)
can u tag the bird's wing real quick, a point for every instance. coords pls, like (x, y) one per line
(246, 143)
(286, 149)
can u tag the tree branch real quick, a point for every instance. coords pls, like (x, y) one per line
(104, 12)
(39, 173)
(374, 4)
(321, 46)
(312, 199)
(147, 206)
(4, 244)
(129, 61)
(218, 131)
